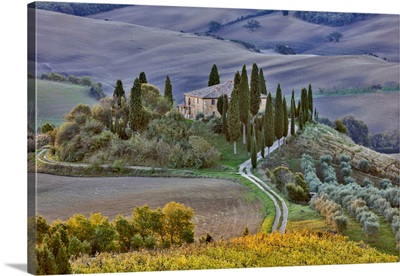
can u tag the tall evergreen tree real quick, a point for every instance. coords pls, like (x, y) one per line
(135, 112)
(234, 118)
(262, 143)
(119, 92)
(236, 81)
(168, 91)
(285, 119)
(304, 105)
(310, 102)
(213, 79)
(278, 119)
(262, 84)
(269, 132)
(253, 148)
(301, 118)
(292, 117)
(142, 77)
(244, 100)
(223, 99)
(255, 95)
(298, 108)
(248, 134)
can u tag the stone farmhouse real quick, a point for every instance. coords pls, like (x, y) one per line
(205, 100)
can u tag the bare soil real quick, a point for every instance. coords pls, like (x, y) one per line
(222, 208)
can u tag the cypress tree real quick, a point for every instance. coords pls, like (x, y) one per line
(255, 95)
(244, 100)
(253, 149)
(298, 108)
(135, 112)
(248, 134)
(262, 143)
(142, 77)
(310, 101)
(223, 99)
(292, 118)
(234, 118)
(301, 117)
(168, 91)
(304, 105)
(285, 119)
(119, 92)
(278, 118)
(214, 76)
(236, 81)
(269, 123)
(262, 84)
(292, 114)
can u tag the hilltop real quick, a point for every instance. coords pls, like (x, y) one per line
(376, 34)
(111, 50)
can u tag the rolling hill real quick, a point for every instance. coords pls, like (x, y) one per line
(108, 50)
(55, 99)
(378, 34)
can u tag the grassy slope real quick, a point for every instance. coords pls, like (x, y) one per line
(110, 50)
(324, 140)
(55, 99)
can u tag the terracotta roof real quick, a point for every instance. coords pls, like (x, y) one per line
(212, 92)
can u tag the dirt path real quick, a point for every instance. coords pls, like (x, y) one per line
(281, 209)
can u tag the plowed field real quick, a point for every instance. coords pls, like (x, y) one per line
(222, 208)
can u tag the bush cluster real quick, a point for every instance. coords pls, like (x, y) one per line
(292, 184)
(101, 136)
(61, 241)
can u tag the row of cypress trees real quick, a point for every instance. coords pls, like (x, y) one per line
(241, 115)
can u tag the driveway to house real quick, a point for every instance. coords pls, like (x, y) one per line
(281, 209)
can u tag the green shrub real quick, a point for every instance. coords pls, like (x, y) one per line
(364, 165)
(66, 132)
(150, 242)
(137, 242)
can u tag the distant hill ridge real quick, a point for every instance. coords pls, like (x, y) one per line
(79, 9)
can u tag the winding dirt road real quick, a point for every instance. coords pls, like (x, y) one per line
(281, 209)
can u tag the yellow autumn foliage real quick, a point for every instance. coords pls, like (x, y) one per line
(297, 248)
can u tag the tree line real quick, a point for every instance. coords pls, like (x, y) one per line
(149, 229)
(79, 9)
(96, 88)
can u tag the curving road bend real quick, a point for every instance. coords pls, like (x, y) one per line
(280, 207)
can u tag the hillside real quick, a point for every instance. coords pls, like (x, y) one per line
(378, 34)
(185, 19)
(55, 99)
(320, 140)
(110, 50)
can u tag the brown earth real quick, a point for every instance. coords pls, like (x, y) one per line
(222, 208)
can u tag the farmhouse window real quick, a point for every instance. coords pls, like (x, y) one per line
(212, 102)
